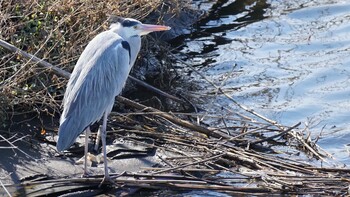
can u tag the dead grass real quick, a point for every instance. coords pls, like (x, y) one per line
(242, 142)
(56, 31)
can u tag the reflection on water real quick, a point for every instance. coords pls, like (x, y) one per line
(288, 60)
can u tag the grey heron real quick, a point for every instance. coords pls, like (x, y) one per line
(98, 76)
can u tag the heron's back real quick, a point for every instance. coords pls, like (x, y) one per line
(100, 75)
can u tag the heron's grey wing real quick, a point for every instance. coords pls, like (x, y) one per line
(94, 48)
(102, 78)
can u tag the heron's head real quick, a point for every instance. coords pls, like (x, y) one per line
(128, 27)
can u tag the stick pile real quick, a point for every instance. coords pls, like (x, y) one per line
(250, 155)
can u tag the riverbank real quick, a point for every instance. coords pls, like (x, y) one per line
(171, 149)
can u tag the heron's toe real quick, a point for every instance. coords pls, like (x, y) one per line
(106, 181)
(85, 175)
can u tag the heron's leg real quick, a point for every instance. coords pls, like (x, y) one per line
(98, 138)
(87, 133)
(103, 136)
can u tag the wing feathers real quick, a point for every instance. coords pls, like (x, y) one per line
(99, 76)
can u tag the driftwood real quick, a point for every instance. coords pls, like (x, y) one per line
(239, 159)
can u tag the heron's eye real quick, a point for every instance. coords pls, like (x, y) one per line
(135, 27)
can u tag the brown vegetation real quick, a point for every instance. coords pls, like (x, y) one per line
(56, 31)
(253, 154)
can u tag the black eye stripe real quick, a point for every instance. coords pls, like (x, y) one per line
(128, 23)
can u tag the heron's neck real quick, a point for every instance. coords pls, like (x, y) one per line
(134, 42)
(135, 45)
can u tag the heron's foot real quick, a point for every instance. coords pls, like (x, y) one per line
(85, 175)
(119, 175)
(106, 181)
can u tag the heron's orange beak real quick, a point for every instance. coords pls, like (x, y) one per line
(147, 28)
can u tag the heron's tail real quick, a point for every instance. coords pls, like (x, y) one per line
(67, 133)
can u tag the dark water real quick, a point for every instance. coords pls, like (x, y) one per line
(287, 60)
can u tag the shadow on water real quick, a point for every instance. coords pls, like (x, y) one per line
(244, 12)
(223, 16)
(288, 60)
